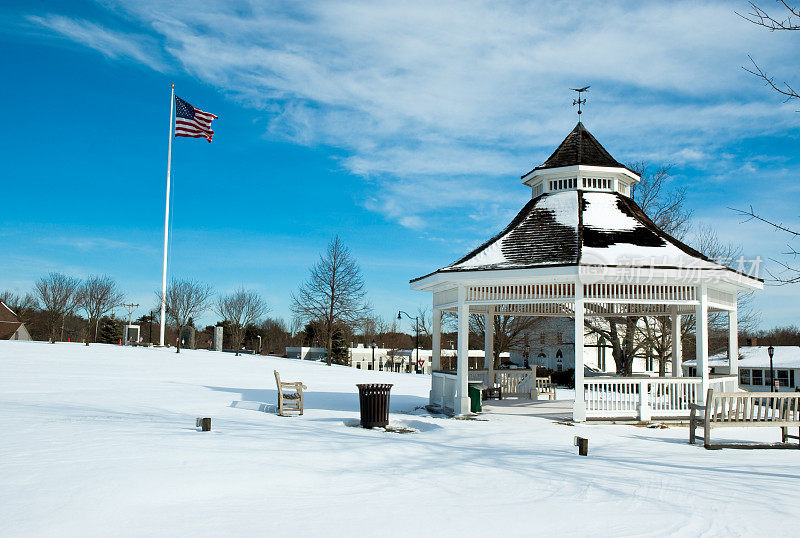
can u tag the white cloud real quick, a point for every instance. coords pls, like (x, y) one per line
(434, 102)
(111, 44)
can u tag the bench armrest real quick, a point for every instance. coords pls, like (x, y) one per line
(697, 407)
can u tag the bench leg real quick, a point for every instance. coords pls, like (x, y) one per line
(706, 436)
(784, 432)
(691, 427)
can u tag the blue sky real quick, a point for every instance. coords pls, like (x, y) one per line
(404, 129)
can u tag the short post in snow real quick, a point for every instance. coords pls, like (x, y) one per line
(583, 445)
(204, 424)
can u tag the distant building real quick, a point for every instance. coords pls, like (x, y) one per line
(754, 372)
(551, 345)
(11, 328)
(396, 360)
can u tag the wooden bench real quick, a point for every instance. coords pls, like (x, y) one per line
(492, 393)
(544, 385)
(289, 401)
(745, 410)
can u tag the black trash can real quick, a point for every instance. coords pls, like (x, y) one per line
(374, 401)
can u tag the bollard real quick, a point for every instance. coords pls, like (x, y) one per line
(583, 446)
(204, 424)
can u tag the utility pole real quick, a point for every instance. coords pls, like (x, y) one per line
(130, 307)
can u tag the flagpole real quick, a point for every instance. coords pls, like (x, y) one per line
(166, 221)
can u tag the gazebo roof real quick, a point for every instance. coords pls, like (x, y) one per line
(579, 227)
(580, 148)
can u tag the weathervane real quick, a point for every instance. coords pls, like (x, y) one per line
(579, 101)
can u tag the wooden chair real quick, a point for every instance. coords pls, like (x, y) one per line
(289, 401)
(545, 386)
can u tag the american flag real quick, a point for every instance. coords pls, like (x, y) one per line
(191, 121)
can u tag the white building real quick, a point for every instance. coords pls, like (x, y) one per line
(754, 368)
(552, 345)
(396, 360)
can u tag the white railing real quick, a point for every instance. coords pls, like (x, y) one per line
(647, 397)
(517, 383)
(724, 383)
(443, 390)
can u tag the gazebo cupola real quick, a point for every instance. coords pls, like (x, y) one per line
(580, 162)
(582, 247)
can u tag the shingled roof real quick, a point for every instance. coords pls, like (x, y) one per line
(581, 228)
(579, 147)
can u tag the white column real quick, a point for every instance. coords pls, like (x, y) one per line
(461, 404)
(436, 356)
(733, 344)
(488, 344)
(677, 345)
(579, 407)
(701, 332)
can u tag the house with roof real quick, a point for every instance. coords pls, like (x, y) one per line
(11, 328)
(754, 367)
(582, 247)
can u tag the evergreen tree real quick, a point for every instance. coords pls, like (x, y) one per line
(110, 330)
(339, 347)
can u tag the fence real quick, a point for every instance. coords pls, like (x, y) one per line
(647, 397)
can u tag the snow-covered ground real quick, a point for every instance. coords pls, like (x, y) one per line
(101, 441)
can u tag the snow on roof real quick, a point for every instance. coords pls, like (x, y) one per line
(757, 357)
(609, 229)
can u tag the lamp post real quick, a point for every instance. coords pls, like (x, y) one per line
(373, 354)
(527, 353)
(416, 341)
(259, 343)
(771, 351)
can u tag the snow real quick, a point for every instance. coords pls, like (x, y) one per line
(602, 212)
(564, 208)
(101, 441)
(757, 357)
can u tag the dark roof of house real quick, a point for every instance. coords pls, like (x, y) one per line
(6, 314)
(579, 147)
(581, 228)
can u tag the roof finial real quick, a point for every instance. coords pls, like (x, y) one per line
(579, 101)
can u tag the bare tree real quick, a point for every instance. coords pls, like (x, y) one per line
(97, 296)
(662, 202)
(56, 294)
(510, 332)
(334, 292)
(788, 20)
(186, 299)
(240, 309)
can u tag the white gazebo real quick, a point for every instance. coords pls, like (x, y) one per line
(581, 247)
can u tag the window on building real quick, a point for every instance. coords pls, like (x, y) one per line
(791, 378)
(744, 376)
(649, 364)
(559, 365)
(692, 371)
(757, 377)
(783, 377)
(559, 355)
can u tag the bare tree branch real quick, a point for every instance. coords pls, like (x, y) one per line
(240, 309)
(185, 300)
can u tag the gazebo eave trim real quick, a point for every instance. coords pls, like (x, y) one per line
(727, 278)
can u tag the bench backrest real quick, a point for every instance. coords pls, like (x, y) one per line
(778, 408)
(542, 382)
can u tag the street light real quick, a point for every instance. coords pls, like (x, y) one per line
(416, 342)
(259, 343)
(771, 351)
(373, 354)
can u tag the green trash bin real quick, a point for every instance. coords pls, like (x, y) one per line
(474, 392)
